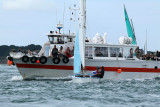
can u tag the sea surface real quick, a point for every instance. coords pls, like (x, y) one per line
(16, 92)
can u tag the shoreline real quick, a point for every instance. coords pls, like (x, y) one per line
(3, 61)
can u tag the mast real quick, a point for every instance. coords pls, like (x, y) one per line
(82, 31)
(74, 15)
(146, 43)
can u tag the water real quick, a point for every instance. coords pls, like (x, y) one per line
(15, 92)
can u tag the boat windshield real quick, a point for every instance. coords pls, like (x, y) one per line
(56, 40)
(60, 39)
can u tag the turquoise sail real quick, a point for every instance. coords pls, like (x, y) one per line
(130, 28)
(77, 58)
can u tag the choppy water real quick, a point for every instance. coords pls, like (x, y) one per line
(15, 92)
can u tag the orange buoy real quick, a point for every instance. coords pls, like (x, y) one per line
(38, 61)
(119, 71)
(10, 63)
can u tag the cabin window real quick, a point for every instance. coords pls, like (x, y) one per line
(69, 39)
(101, 51)
(65, 40)
(116, 52)
(51, 39)
(88, 51)
(60, 40)
(56, 40)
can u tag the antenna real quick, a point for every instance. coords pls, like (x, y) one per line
(56, 16)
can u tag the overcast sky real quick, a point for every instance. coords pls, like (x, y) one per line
(24, 22)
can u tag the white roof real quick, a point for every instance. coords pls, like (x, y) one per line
(64, 35)
(111, 45)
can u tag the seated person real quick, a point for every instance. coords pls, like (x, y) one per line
(29, 52)
(19, 51)
(35, 52)
(68, 53)
(102, 72)
(99, 73)
(54, 51)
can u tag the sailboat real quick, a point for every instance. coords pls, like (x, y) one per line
(79, 71)
(79, 52)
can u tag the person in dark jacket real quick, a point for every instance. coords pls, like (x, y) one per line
(101, 74)
(54, 51)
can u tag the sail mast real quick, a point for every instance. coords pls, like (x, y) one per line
(82, 31)
(146, 43)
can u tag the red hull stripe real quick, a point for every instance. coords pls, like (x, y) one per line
(89, 68)
(59, 67)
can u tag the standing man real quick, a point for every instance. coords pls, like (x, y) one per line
(54, 51)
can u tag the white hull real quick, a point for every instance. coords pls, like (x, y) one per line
(31, 73)
(131, 69)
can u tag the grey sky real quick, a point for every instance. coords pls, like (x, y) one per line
(24, 22)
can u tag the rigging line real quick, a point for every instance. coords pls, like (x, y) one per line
(63, 16)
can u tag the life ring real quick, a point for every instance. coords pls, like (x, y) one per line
(33, 59)
(65, 60)
(56, 60)
(10, 58)
(155, 67)
(25, 58)
(43, 60)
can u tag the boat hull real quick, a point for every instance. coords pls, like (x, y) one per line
(130, 69)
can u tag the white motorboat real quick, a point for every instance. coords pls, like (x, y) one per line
(119, 60)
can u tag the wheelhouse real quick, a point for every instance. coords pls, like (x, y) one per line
(61, 38)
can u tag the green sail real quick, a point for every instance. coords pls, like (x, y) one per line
(130, 28)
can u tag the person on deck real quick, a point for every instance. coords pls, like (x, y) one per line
(29, 52)
(131, 53)
(68, 53)
(72, 52)
(138, 52)
(54, 51)
(19, 51)
(35, 52)
(61, 51)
